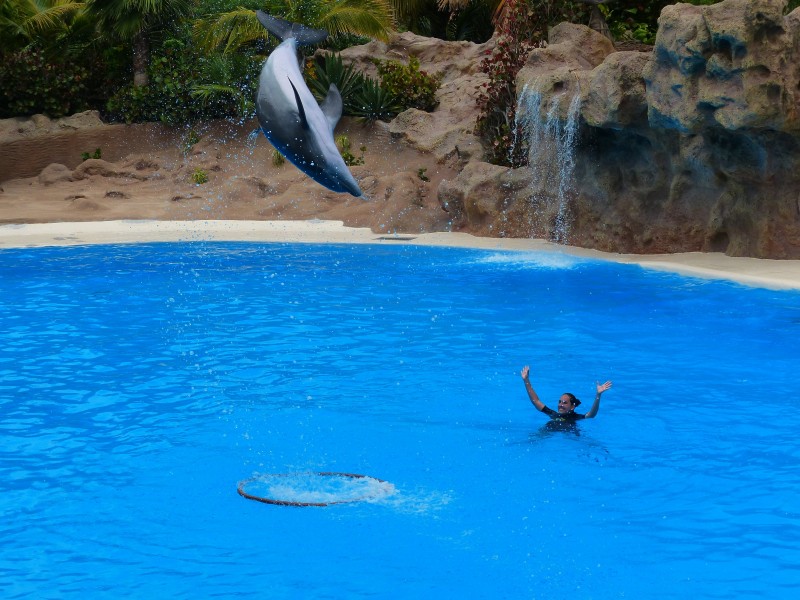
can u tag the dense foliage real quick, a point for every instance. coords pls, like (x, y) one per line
(468, 20)
(330, 69)
(412, 88)
(401, 86)
(31, 83)
(181, 60)
(179, 92)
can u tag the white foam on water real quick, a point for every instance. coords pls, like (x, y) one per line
(532, 260)
(317, 488)
(419, 501)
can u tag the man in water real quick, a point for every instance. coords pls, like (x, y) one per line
(566, 404)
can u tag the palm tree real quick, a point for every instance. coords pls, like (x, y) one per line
(134, 20)
(24, 21)
(232, 30)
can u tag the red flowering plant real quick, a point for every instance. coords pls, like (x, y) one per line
(521, 27)
(497, 99)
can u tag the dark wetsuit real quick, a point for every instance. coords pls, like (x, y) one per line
(559, 421)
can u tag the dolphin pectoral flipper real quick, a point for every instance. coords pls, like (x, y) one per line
(305, 36)
(300, 109)
(332, 106)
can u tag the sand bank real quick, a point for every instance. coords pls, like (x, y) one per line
(774, 274)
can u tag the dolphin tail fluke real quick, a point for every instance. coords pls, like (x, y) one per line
(282, 29)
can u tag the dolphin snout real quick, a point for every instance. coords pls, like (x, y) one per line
(342, 180)
(352, 188)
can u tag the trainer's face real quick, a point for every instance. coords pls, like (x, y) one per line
(565, 404)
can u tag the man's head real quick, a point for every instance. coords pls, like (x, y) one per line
(567, 403)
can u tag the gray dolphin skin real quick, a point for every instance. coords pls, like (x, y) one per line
(289, 115)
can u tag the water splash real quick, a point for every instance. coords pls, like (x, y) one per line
(551, 142)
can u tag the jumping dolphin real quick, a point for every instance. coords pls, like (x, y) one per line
(289, 115)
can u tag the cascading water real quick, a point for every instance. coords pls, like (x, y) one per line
(551, 144)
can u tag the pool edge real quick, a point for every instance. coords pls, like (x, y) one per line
(766, 273)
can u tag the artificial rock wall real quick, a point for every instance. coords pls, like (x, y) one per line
(694, 146)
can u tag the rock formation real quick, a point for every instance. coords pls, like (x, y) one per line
(693, 147)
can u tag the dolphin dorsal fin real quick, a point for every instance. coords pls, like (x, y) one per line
(300, 109)
(332, 106)
(283, 30)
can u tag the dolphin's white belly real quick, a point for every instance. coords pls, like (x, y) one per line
(309, 146)
(280, 72)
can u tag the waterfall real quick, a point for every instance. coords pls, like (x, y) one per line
(551, 142)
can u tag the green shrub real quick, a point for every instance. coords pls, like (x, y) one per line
(31, 83)
(412, 88)
(189, 141)
(226, 85)
(350, 159)
(185, 87)
(374, 103)
(96, 154)
(278, 159)
(401, 86)
(342, 41)
(168, 96)
(328, 69)
(200, 176)
(630, 19)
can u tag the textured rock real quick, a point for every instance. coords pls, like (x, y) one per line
(570, 45)
(448, 130)
(20, 128)
(99, 167)
(732, 65)
(695, 146)
(561, 69)
(55, 173)
(615, 94)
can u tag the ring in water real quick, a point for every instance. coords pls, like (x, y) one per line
(314, 489)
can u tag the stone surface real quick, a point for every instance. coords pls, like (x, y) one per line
(691, 147)
(731, 65)
(55, 173)
(614, 96)
(448, 130)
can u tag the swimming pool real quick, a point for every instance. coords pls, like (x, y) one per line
(141, 383)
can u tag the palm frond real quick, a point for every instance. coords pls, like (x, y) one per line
(229, 31)
(408, 9)
(37, 17)
(371, 18)
(214, 92)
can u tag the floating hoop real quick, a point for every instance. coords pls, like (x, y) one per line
(328, 493)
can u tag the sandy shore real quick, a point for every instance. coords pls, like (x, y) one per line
(773, 274)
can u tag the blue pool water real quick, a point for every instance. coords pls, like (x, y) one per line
(139, 384)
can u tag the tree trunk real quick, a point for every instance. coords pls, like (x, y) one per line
(141, 58)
